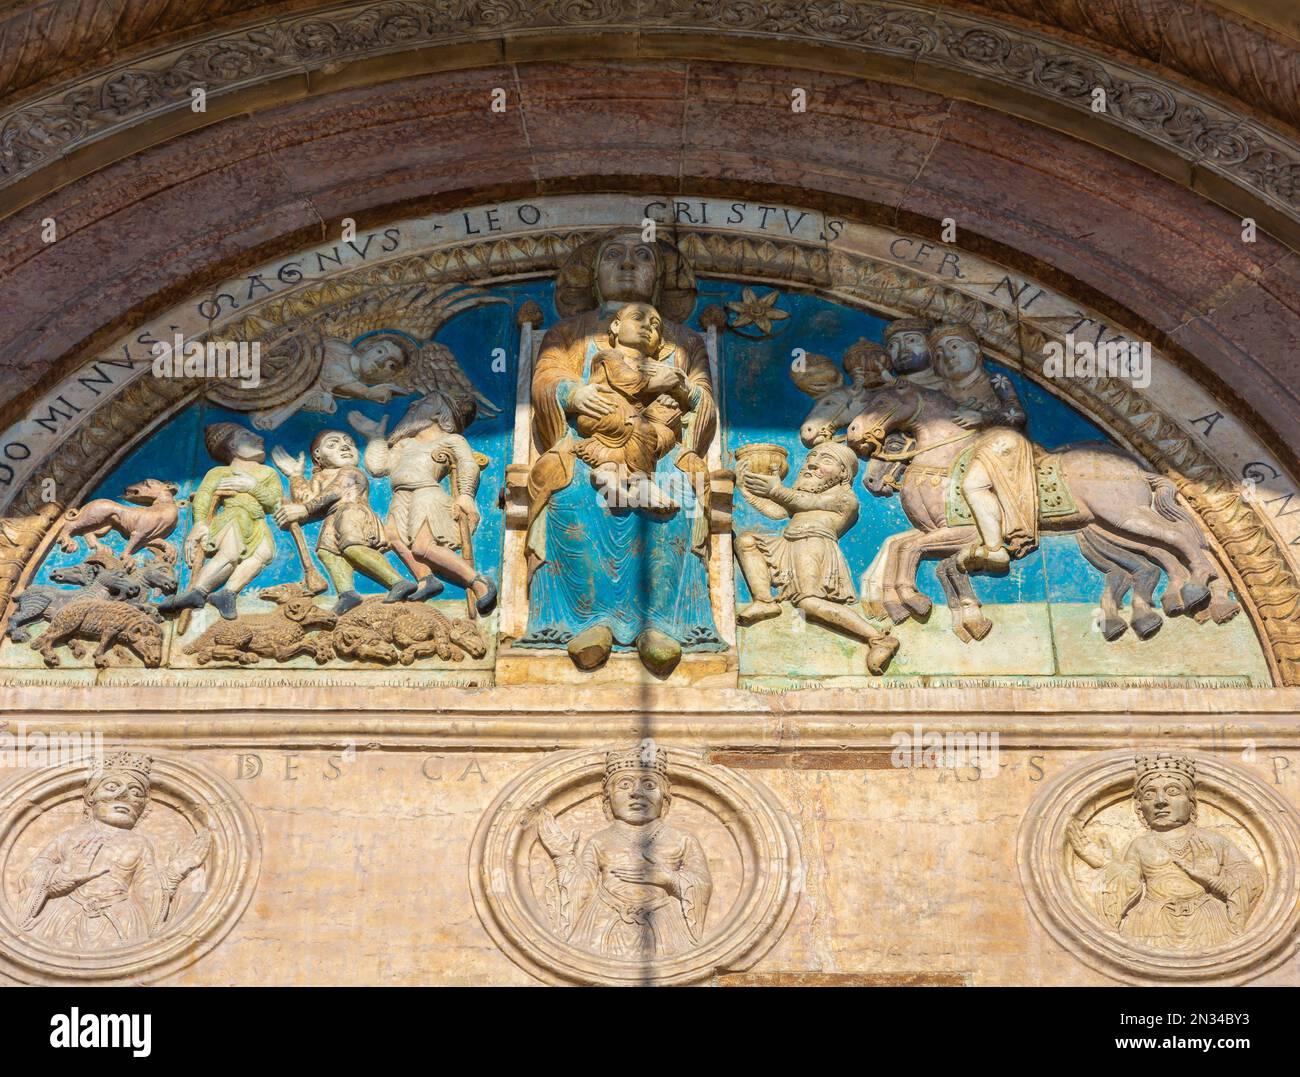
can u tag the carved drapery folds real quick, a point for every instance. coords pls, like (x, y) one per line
(634, 865)
(451, 279)
(1159, 866)
(123, 867)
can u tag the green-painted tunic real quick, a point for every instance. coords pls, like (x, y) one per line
(246, 512)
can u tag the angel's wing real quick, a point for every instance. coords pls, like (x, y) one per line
(291, 358)
(419, 310)
(293, 352)
(560, 846)
(197, 850)
(817, 374)
(434, 369)
(555, 839)
(1096, 854)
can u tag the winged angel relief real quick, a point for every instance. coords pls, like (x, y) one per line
(347, 350)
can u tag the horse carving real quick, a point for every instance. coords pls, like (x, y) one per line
(1128, 520)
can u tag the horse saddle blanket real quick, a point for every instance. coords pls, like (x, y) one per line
(1053, 497)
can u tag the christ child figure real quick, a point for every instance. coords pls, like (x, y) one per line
(624, 445)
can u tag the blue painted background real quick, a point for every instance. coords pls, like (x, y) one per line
(175, 452)
(759, 403)
(762, 403)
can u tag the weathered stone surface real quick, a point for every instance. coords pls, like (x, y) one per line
(658, 651)
(818, 310)
(276, 189)
(590, 649)
(873, 842)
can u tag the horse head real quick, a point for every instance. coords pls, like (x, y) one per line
(884, 476)
(830, 412)
(835, 398)
(890, 409)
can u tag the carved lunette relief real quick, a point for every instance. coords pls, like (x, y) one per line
(1260, 573)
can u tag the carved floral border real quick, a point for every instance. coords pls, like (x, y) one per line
(1261, 573)
(1204, 131)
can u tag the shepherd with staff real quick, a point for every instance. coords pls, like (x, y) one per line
(230, 542)
(430, 529)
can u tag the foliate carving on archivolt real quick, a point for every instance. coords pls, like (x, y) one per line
(1261, 575)
(1191, 125)
(634, 865)
(124, 866)
(1161, 866)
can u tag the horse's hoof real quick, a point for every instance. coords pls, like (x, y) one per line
(896, 613)
(1147, 625)
(1194, 596)
(979, 628)
(919, 605)
(1112, 628)
(1171, 603)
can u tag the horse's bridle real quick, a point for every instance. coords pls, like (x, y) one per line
(878, 434)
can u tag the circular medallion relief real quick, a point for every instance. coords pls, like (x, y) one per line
(120, 869)
(634, 866)
(1159, 867)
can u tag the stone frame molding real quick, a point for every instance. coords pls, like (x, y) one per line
(498, 866)
(231, 871)
(1043, 853)
(1208, 133)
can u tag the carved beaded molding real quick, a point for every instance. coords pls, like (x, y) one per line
(766, 857)
(1255, 554)
(1081, 792)
(1194, 126)
(230, 874)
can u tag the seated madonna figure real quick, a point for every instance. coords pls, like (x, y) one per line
(630, 571)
